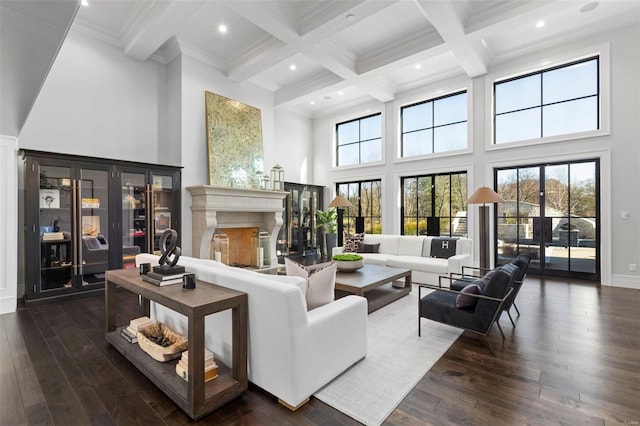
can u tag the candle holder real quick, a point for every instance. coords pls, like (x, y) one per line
(221, 248)
(277, 178)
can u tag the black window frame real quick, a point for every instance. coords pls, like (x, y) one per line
(359, 141)
(542, 104)
(433, 126)
(432, 177)
(350, 215)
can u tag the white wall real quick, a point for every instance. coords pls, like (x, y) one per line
(99, 103)
(8, 223)
(293, 147)
(619, 152)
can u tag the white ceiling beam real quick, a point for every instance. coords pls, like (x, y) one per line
(275, 23)
(446, 20)
(162, 20)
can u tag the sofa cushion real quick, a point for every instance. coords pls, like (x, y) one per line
(352, 242)
(321, 281)
(443, 248)
(409, 245)
(369, 248)
(427, 264)
(375, 258)
(463, 301)
(388, 243)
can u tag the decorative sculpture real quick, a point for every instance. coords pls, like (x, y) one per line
(170, 254)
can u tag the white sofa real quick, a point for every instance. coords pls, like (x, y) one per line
(291, 352)
(414, 252)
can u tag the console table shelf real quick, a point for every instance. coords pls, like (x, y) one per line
(195, 397)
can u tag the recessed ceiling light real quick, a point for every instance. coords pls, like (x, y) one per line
(84, 3)
(340, 93)
(540, 24)
(484, 42)
(351, 17)
(417, 66)
(292, 67)
(222, 28)
(312, 103)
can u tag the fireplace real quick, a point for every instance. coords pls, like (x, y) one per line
(245, 211)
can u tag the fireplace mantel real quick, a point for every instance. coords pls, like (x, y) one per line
(222, 207)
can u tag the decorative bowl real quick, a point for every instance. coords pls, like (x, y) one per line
(349, 265)
(348, 262)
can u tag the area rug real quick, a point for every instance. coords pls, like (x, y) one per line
(396, 360)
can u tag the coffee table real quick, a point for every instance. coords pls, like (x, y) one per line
(374, 283)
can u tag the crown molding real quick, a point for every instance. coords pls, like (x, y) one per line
(81, 28)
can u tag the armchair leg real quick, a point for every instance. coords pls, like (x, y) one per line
(500, 328)
(514, 305)
(513, 323)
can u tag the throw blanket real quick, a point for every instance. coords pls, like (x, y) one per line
(443, 248)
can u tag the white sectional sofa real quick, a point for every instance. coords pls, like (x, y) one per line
(414, 252)
(292, 352)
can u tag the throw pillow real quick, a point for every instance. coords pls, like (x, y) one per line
(463, 301)
(482, 282)
(321, 281)
(443, 248)
(369, 248)
(353, 242)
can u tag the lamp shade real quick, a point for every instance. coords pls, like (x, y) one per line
(485, 195)
(340, 201)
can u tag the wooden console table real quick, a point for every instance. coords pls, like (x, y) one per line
(195, 397)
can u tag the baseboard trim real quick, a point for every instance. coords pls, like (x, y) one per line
(625, 281)
(291, 407)
(8, 304)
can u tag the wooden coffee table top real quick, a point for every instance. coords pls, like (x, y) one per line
(368, 277)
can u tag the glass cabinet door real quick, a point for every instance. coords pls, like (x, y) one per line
(134, 217)
(93, 246)
(162, 204)
(56, 228)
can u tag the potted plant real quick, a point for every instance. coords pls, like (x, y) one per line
(348, 262)
(327, 221)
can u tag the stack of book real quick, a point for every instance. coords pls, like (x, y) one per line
(159, 279)
(210, 367)
(52, 236)
(130, 333)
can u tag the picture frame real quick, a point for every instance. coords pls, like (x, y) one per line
(49, 198)
(162, 221)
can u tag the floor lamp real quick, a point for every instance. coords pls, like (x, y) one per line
(339, 203)
(484, 196)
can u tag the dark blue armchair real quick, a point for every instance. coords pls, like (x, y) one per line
(441, 304)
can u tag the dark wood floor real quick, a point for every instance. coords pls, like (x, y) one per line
(574, 358)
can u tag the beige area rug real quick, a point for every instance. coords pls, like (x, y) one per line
(396, 360)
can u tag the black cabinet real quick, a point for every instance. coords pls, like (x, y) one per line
(84, 216)
(298, 235)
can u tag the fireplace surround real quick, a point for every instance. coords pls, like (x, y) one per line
(215, 207)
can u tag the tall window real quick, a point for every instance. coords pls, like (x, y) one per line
(366, 196)
(553, 102)
(436, 125)
(359, 141)
(435, 205)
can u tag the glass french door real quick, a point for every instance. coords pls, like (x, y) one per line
(551, 212)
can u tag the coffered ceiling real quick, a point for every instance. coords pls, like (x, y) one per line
(346, 51)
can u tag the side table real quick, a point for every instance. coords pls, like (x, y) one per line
(194, 397)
